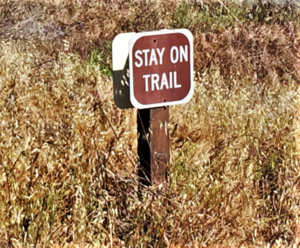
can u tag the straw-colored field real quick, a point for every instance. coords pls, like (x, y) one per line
(68, 160)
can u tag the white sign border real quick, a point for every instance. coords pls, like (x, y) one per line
(132, 41)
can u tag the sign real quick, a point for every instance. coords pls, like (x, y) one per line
(120, 64)
(161, 68)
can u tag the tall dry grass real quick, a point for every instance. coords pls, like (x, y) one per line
(68, 162)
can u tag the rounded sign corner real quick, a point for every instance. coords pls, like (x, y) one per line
(116, 39)
(136, 104)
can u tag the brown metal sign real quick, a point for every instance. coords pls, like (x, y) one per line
(161, 68)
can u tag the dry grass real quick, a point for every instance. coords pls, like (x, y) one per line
(68, 155)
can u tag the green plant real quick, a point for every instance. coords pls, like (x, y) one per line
(98, 59)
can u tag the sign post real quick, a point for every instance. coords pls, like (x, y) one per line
(153, 144)
(160, 74)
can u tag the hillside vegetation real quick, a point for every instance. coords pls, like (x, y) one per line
(68, 159)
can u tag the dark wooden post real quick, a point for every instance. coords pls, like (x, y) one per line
(153, 145)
